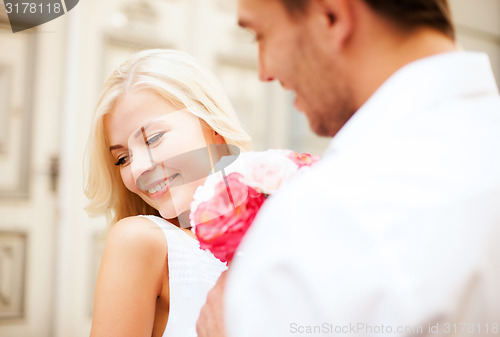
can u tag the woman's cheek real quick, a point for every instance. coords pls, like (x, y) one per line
(128, 180)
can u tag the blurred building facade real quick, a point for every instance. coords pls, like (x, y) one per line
(50, 79)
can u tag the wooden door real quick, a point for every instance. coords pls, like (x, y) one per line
(29, 106)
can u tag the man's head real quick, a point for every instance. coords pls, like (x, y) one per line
(335, 53)
(407, 14)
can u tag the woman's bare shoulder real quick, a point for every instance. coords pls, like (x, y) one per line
(131, 276)
(136, 238)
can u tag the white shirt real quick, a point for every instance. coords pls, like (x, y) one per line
(396, 231)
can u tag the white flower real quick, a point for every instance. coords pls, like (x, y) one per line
(265, 171)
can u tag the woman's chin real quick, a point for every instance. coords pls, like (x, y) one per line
(168, 214)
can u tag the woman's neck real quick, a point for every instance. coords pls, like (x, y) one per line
(182, 220)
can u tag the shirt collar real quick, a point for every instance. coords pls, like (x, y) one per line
(419, 85)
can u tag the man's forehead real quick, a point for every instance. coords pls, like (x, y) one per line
(249, 9)
(252, 12)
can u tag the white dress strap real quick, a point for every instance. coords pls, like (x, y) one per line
(192, 273)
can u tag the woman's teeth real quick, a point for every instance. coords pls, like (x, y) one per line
(157, 187)
(161, 185)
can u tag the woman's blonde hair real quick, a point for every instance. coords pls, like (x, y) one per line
(183, 82)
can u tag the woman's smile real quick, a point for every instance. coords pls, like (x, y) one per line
(159, 188)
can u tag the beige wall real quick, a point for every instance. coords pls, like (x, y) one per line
(49, 247)
(478, 28)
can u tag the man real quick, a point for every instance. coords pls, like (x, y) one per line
(395, 231)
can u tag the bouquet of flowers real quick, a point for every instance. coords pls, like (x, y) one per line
(225, 206)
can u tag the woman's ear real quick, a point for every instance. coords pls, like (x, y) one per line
(211, 136)
(218, 138)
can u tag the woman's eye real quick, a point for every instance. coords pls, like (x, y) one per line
(154, 139)
(122, 161)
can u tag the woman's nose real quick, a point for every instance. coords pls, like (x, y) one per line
(141, 162)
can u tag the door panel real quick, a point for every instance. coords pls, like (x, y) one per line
(29, 102)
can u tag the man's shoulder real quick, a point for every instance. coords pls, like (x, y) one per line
(309, 185)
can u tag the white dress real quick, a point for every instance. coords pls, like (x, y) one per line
(192, 273)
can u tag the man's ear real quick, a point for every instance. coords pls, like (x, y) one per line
(338, 19)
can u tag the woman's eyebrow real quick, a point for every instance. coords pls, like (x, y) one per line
(115, 147)
(137, 134)
(141, 130)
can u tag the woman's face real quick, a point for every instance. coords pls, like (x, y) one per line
(161, 151)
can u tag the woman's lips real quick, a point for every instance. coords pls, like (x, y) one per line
(159, 188)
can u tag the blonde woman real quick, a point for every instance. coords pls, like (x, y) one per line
(158, 116)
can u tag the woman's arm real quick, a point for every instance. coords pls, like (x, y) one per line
(130, 278)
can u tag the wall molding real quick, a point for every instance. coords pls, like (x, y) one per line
(12, 274)
(21, 113)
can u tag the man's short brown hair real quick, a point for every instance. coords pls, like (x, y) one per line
(407, 14)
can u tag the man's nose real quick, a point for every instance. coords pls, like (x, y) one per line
(264, 73)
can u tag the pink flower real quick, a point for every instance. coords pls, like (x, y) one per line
(222, 221)
(267, 174)
(304, 159)
(223, 208)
